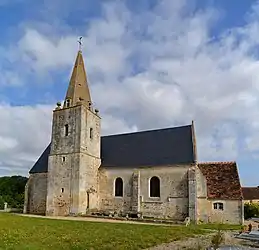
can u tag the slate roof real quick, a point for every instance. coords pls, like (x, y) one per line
(41, 165)
(250, 193)
(147, 148)
(222, 180)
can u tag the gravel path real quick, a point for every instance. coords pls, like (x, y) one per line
(202, 242)
(92, 219)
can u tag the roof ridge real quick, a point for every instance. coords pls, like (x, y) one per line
(217, 162)
(146, 131)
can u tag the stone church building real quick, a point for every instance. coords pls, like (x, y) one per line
(151, 173)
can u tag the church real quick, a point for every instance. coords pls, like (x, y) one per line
(152, 173)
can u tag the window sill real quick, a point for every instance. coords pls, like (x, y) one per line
(153, 201)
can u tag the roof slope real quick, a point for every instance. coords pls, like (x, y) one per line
(147, 148)
(41, 165)
(250, 193)
(222, 180)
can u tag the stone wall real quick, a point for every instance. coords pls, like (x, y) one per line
(232, 209)
(173, 200)
(107, 199)
(192, 193)
(73, 162)
(135, 198)
(88, 183)
(35, 194)
(89, 161)
(63, 186)
(202, 201)
(232, 212)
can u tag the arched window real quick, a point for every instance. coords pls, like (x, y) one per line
(119, 187)
(218, 206)
(154, 187)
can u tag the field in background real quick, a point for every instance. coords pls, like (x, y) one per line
(18, 232)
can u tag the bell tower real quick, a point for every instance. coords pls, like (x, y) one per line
(75, 149)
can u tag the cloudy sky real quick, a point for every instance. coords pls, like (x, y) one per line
(150, 63)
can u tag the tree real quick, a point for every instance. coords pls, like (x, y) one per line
(251, 210)
(12, 191)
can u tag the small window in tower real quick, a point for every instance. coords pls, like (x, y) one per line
(63, 159)
(62, 190)
(68, 103)
(66, 130)
(91, 133)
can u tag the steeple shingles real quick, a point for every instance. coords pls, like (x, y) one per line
(78, 89)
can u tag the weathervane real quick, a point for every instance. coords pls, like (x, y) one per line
(80, 43)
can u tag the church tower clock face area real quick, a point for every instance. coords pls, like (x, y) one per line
(75, 149)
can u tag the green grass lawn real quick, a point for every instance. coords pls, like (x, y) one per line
(19, 233)
(220, 226)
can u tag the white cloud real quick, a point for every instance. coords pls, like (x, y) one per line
(156, 69)
(25, 130)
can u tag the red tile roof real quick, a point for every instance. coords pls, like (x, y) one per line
(222, 180)
(250, 193)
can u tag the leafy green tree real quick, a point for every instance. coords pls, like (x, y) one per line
(12, 191)
(251, 210)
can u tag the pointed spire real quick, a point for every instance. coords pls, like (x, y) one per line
(78, 90)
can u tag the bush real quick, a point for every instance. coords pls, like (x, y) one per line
(217, 239)
(251, 210)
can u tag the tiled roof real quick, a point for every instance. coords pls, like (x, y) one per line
(222, 180)
(250, 193)
(146, 148)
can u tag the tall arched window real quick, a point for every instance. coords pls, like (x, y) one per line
(154, 187)
(119, 187)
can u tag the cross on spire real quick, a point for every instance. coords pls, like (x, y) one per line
(80, 43)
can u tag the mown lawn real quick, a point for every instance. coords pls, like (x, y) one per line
(220, 226)
(20, 233)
